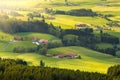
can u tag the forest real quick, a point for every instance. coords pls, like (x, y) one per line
(11, 69)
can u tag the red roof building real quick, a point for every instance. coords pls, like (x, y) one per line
(43, 41)
(17, 38)
(80, 26)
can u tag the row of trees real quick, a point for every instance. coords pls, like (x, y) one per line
(69, 37)
(114, 71)
(12, 70)
(21, 49)
(77, 12)
(74, 12)
(15, 26)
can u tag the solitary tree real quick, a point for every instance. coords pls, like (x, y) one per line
(42, 64)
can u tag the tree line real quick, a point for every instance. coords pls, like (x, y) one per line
(11, 69)
(75, 12)
(69, 37)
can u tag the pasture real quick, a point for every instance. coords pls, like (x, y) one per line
(68, 22)
(91, 61)
(104, 45)
(37, 35)
(7, 41)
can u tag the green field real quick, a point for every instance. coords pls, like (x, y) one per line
(104, 45)
(6, 45)
(37, 35)
(91, 60)
(67, 22)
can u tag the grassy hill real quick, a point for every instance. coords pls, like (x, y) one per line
(6, 45)
(104, 45)
(68, 22)
(91, 60)
(37, 35)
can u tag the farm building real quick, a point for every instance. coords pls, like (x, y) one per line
(68, 55)
(60, 56)
(81, 26)
(17, 38)
(38, 42)
(43, 41)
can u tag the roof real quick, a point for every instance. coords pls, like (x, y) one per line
(61, 55)
(17, 38)
(70, 54)
(43, 41)
(81, 25)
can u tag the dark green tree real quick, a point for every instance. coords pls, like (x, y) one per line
(42, 64)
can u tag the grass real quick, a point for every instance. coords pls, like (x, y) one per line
(118, 53)
(37, 35)
(104, 45)
(90, 58)
(10, 46)
(91, 61)
(6, 45)
(66, 21)
(5, 36)
(114, 33)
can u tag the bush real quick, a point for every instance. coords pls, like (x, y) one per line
(21, 49)
(118, 54)
(54, 44)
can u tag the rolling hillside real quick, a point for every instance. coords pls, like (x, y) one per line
(6, 45)
(37, 35)
(91, 61)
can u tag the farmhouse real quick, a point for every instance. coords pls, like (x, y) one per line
(81, 26)
(68, 55)
(39, 41)
(17, 38)
(43, 41)
(60, 56)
